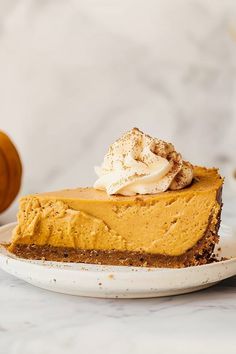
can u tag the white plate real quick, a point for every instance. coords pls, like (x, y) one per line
(119, 282)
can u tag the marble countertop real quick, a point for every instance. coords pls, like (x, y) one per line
(36, 321)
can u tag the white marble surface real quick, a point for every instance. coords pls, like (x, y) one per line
(36, 321)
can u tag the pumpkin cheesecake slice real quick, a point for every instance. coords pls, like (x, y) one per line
(147, 208)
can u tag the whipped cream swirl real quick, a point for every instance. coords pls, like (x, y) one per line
(139, 164)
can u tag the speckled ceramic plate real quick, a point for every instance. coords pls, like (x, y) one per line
(120, 282)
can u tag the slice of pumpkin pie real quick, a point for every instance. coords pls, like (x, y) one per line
(148, 207)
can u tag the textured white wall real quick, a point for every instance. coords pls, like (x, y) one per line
(74, 75)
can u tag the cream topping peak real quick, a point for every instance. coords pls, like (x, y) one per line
(139, 164)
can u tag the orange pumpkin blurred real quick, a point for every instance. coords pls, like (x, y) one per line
(10, 171)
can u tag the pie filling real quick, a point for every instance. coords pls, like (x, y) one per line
(178, 229)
